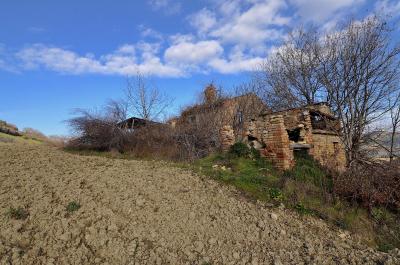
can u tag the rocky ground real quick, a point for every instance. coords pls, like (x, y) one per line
(143, 212)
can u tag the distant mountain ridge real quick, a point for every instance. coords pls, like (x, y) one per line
(378, 142)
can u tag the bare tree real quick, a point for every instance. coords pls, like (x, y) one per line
(117, 110)
(290, 75)
(395, 125)
(359, 70)
(249, 104)
(144, 100)
(355, 69)
(96, 130)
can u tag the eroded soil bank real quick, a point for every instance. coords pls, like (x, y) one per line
(143, 212)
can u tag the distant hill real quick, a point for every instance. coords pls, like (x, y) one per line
(8, 128)
(381, 140)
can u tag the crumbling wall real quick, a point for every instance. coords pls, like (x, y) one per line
(278, 134)
(329, 150)
(227, 137)
(277, 143)
(270, 132)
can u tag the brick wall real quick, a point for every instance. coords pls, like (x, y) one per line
(277, 143)
(328, 150)
(271, 132)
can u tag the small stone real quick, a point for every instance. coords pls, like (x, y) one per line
(274, 216)
(236, 255)
(65, 236)
(113, 227)
(192, 215)
(140, 202)
(212, 241)
(198, 246)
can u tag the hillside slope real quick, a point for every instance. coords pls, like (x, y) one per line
(143, 212)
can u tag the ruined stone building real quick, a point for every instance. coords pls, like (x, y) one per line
(310, 129)
(278, 135)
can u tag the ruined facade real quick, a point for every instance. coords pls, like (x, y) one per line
(311, 129)
(227, 115)
(277, 135)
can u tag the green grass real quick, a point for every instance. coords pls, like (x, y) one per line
(17, 213)
(307, 189)
(17, 139)
(73, 207)
(253, 176)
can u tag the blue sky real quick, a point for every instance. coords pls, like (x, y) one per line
(59, 55)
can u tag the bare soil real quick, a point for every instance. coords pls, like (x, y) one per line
(145, 212)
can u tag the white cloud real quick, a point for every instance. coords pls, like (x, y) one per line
(248, 23)
(127, 49)
(322, 10)
(150, 33)
(169, 7)
(121, 62)
(57, 59)
(178, 38)
(187, 52)
(203, 20)
(227, 37)
(234, 66)
(237, 61)
(255, 25)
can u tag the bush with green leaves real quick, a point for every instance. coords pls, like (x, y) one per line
(302, 209)
(73, 206)
(275, 194)
(18, 213)
(240, 149)
(254, 153)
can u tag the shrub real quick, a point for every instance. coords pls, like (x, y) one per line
(73, 206)
(370, 183)
(301, 209)
(154, 141)
(254, 153)
(309, 171)
(18, 213)
(240, 149)
(96, 132)
(275, 194)
(34, 134)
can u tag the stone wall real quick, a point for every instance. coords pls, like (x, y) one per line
(269, 133)
(227, 137)
(329, 150)
(277, 143)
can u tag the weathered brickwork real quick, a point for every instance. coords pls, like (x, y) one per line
(278, 135)
(227, 137)
(329, 151)
(277, 143)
